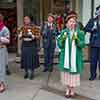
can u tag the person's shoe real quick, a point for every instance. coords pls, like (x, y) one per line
(99, 77)
(26, 76)
(45, 70)
(92, 78)
(67, 94)
(31, 76)
(51, 70)
(8, 72)
(72, 95)
(2, 88)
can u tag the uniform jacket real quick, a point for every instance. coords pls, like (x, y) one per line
(49, 35)
(93, 26)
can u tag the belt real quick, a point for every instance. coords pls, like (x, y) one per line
(27, 39)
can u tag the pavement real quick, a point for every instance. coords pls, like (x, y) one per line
(46, 86)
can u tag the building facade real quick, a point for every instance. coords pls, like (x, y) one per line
(39, 9)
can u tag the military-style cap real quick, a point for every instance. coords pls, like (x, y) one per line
(97, 8)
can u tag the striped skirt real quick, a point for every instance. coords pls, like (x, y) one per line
(71, 80)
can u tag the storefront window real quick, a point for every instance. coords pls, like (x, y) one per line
(8, 9)
(32, 9)
(7, 1)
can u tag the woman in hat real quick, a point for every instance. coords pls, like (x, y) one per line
(71, 42)
(4, 39)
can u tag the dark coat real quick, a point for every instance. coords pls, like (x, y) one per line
(93, 27)
(49, 36)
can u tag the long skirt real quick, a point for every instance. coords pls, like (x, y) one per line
(3, 52)
(29, 56)
(71, 80)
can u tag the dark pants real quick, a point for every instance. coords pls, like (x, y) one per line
(29, 56)
(48, 58)
(95, 59)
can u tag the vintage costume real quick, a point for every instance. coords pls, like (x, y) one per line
(29, 52)
(93, 26)
(71, 57)
(4, 38)
(49, 44)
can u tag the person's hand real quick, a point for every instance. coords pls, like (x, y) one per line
(20, 35)
(4, 40)
(65, 36)
(29, 32)
(1, 39)
(33, 36)
(0, 43)
(75, 36)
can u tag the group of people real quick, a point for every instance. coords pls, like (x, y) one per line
(70, 40)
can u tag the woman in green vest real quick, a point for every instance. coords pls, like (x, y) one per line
(71, 42)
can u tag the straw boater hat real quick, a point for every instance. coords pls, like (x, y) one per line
(70, 15)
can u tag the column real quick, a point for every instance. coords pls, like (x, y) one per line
(20, 12)
(52, 5)
(78, 9)
(46, 8)
(41, 11)
(73, 4)
(19, 20)
(86, 11)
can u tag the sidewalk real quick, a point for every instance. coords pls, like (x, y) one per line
(87, 89)
(90, 89)
(11, 57)
(21, 89)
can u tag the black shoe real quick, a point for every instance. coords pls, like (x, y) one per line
(99, 77)
(51, 70)
(92, 79)
(31, 77)
(45, 70)
(8, 72)
(26, 76)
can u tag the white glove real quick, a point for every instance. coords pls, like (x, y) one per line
(4, 40)
(29, 32)
(33, 37)
(20, 35)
